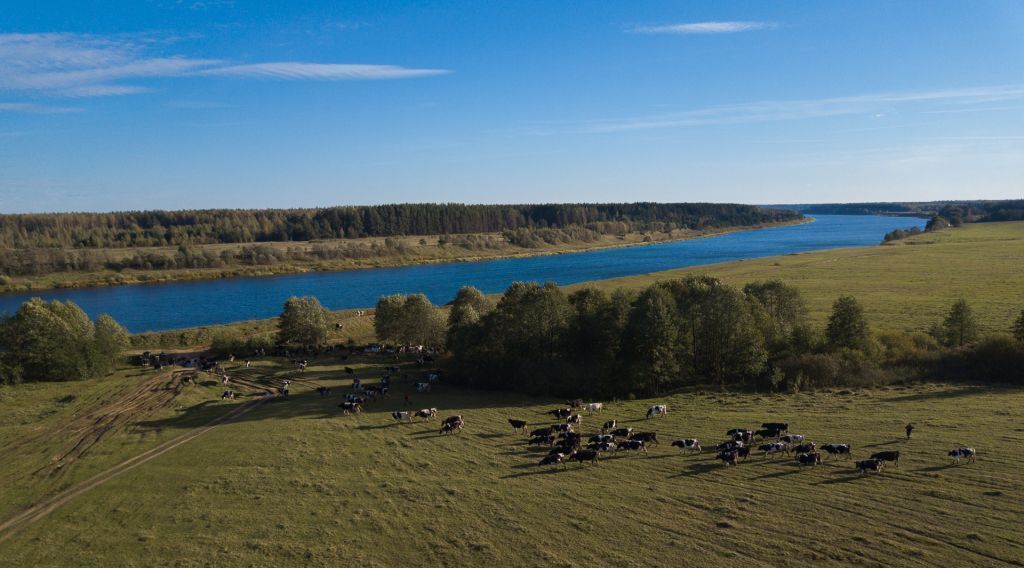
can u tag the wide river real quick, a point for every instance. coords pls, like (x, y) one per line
(157, 307)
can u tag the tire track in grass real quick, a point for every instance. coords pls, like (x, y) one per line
(39, 511)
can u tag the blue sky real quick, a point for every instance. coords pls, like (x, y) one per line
(195, 104)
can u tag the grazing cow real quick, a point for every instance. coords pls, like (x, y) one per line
(574, 403)
(609, 425)
(745, 436)
(792, 438)
(569, 446)
(774, 448)
(543, 440)
(355, 398)
(809, 458)
(807, 448)
(657, 410)
(594, 407)
(837, 449)
(553, 459)
(560, 413)
(691, 444)
(518, 425)
(729, 445)
(602, 446)
(452, 427)
(601, 438)
(350, 407)
(622, 432)
(632, 446)
(562, 428)
(576, 419)
(892, 456)
(728, 457)
(422, 387)
(766, 433)
(961, 453)
(571, 436)
(645, 437)
(869, 465)
(454, 420)
(743, 452)
(542, 432)
(426, 413)
(401, 416)
(584, 456)
(780, 426)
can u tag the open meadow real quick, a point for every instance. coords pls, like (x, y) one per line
(295, 481)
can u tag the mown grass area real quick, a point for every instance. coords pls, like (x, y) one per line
(296, 483)
(908, 285)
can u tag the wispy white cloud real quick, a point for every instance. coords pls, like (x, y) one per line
(35, 108)
(77, 65)
(321, 71)
(767, 111)
(703, 28)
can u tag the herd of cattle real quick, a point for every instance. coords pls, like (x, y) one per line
(566, 442)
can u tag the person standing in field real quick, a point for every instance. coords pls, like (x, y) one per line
(910, 430)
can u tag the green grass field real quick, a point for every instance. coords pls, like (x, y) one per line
(905, 286)
(296, 483)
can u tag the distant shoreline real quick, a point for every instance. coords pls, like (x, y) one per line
(110, 279)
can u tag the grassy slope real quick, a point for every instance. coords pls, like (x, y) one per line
(908, 285)
(296, 483)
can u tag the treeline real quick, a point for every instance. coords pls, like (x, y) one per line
(953, 212)
(57, 341)
(218, 226)
(699, 331)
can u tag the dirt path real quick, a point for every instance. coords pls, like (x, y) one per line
(40, 510)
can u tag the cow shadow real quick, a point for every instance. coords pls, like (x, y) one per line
(843, 478)
(697, 469)
(880, 444)
(783, 473)
(379, 426)
(489, 436)
(934, 468)
(536, 471)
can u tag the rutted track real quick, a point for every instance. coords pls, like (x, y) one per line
(40, 510)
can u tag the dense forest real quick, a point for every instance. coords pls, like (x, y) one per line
(966, 210)
(185, 228)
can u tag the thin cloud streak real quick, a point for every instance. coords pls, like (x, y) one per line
(770, 111)
(78, 65)
(320, 71)
(33, 108)
(704, 28)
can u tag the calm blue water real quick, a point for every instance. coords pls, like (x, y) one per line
(157, 307)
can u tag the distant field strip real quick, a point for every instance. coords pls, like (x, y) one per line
(906, 285)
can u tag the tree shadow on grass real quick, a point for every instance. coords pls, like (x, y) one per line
(947, 393)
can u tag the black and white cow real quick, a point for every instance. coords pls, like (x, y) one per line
(657, 410)
(729, 445)
(692, 444)
(649, 438)
(807, 448)
(792, 438)
(422, 387)
(575, 419)
(780, 426)
(622, 432)
(584, 456)
(869, 465)
(728, 457)
(601, 439)
(774, 448)
(603, 446)
(546, 440)
(518, 425)
(542, 432)
(426, 413)
(401, 416)
(609, 425)
(837, 449)
(553, 459)
(962, 453)
(350, 407)
(890, 456)
(632, 446)
(809, 458)
(560, 412)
